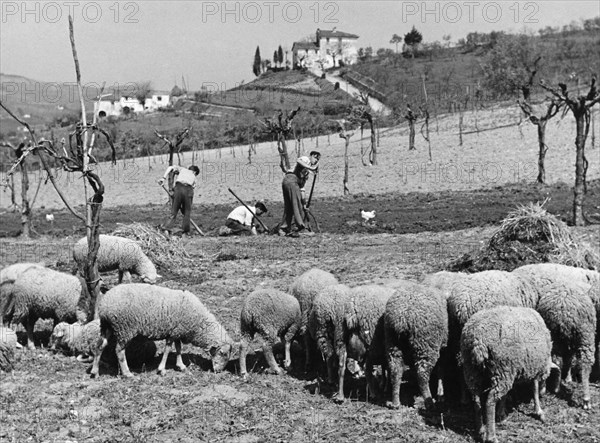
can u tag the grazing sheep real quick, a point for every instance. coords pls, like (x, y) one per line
(325, 323)
(594, 294)
(363, 320)
(7, 355)
(158, 313)
(570, 316)
(498, 347)
(118, 253)
(8, 276)
(305, 288)
(548, 275)
(415, 323)
(272, 314)
(44, 293)
(83, 340)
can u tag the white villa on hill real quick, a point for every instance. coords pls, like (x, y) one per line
(115, 106)
(327, 51)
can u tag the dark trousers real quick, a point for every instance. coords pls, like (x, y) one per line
(182, 201)
(238, 228)
(292, 202)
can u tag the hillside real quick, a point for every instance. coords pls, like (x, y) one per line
(451, 74)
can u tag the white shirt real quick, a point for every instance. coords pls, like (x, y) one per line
(185, 176)
(242, 215)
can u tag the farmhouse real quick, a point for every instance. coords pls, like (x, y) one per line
(116, 104)
(330, 49)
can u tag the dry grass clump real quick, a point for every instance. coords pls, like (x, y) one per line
(529, 234)
(166, 252)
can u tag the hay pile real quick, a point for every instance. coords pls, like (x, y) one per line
(166, 252)
(529, 234)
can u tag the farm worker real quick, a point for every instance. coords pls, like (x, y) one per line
(294, 203)
(183, 194)
(241, 220)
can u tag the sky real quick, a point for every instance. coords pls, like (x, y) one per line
(212, 43)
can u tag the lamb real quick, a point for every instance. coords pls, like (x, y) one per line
(272, 314)
(570, 316)
(415, 323)
(157, 313)
(305, 288)
(44, 293)
(498, 347)
(118, 253)
(325, 324)
(82, 341)
(363, 323)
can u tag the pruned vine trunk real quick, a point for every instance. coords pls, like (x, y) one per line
(411, 135)
(579, 190)
(347, 143)
(541, 129)
(25, 208)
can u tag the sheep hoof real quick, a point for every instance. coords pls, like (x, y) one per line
(541, 416)
(274, 371)
(181, 368)
(92, 375)
(161, 372)
(392, 405)
(339, 399)
(245, 376)
(128, 375)
(586, 404)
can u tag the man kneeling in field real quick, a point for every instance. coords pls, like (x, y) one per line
(241, 220)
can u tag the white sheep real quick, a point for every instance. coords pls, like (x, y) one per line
(305, 288)
(325, 324)
(550, 275)
(570, 316)
(8, 275)
(118, 253)
(415, 323)
(129, 310)
(44, 293)
(273, 315)
(83, 340)
(363, 323)
(499, 346)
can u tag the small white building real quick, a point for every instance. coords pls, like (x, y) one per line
(115, 106)
(330, 49)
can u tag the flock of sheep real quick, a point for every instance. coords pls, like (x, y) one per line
(498, 327)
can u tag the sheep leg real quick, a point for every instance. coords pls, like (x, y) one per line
(439, 371)
(565, 372)
(179, 362)
(423, 375)
(479, 425)
(490, 416)
(586, 369)
(243, 353)
(29, 324)
(539, 413)
(287, 362)
(98, 353)
(120, 276)
(163, 361)
(394, 363)
(120, 351)
(342, 356)
(268, 353)
(373, 390)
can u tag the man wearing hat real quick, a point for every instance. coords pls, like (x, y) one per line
(241, 220)
(293, 194)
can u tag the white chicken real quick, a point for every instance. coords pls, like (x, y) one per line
(50, 219)
(367, 215)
